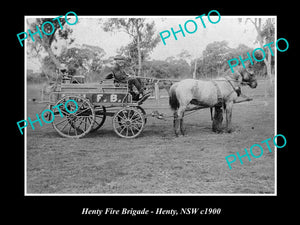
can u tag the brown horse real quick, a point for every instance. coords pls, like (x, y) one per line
(219, 93)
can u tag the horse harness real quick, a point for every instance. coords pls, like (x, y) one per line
(219, 95)
(220, 100)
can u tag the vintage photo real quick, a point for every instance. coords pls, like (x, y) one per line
(151, 105)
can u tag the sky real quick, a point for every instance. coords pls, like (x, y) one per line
(89, 31)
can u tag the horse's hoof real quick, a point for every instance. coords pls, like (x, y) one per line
(218, 131)
(229, 130)
(179, 135)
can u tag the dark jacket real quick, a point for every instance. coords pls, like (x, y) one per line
(120, 74)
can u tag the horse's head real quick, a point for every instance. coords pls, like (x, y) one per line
(249, 78)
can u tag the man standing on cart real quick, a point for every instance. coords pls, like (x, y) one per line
(121, 76)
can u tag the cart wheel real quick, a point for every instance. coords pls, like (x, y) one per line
(77, 124)
(128, 122)
(143, 112)
(100, 116)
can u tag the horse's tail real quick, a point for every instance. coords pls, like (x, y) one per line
(173, 101)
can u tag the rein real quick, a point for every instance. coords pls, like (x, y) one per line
(234, 89)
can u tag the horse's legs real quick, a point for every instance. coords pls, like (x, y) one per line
(175, 119)
(228, 116)
(218, 119)
(181, 124)
(176, 123)
(178, 120)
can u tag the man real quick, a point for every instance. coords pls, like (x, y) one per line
(122, 77)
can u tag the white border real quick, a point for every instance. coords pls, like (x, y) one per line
(145, 194)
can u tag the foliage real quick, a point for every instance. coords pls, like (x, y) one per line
(87, 58)
(164, 69)
(143, 38)
(39, 45)
(265, 34)
(215, 56)
(48, 67)
(268, 31)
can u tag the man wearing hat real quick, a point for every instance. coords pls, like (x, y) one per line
(121, 76)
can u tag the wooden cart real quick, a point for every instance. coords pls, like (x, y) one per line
(95, 102)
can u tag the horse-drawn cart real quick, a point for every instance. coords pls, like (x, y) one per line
(95, 102)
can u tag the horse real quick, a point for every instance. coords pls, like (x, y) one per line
(219, 93)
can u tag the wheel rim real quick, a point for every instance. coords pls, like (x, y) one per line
(128, 122)
(100, 116)
(144, 114)
(77, 124)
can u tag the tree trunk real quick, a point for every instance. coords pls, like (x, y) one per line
(42, 68)
(268, 89)
(138, 48)
(269, 73)
(52, 57)
(266, 61)
(54, 60)
(195, 68)
(139, 56)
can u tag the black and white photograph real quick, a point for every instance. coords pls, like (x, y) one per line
(151, 105)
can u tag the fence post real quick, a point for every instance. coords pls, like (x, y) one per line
(156, 90)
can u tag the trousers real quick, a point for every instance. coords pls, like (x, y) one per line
(135, 82)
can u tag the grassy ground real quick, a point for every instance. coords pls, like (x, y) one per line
(156, 161)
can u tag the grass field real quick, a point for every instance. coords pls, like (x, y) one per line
(156, 162)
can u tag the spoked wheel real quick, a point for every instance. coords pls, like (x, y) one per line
(143, 112)
(70, 122)
(100, 116)
(128, 122)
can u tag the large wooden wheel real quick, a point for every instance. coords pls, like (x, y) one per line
(143, 112)
(100, 116)
(77, 124)
(128, 122)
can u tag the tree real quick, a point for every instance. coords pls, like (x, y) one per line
(88, 57)
(176, 68)
(215, 56)
(46, 42)
(141, 33)
(265, 34)
(185, 55)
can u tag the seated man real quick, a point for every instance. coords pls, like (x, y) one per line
(122, 77)
(66, 73)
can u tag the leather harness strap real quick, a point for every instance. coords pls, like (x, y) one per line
(219, 97)
(237, 90)
(219, 94)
